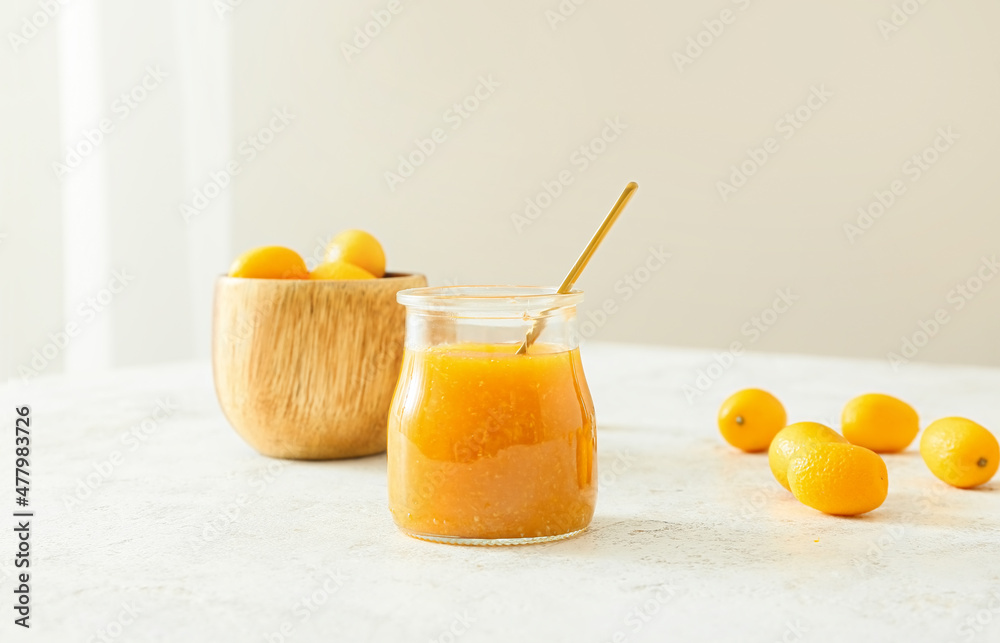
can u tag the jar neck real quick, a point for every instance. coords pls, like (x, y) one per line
(490, 315)
(557, 329)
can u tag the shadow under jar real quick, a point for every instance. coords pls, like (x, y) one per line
(485, 446)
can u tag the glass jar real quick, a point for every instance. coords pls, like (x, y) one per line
(487, 446)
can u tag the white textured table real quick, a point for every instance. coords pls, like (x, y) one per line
(178, 531)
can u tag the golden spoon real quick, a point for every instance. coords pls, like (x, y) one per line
(567, 285)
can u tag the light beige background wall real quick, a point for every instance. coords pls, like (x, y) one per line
(687, 122)
(112, 209)
(553, 86)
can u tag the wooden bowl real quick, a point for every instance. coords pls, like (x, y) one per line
(306, 369)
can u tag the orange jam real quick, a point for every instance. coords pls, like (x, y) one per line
(487, 444)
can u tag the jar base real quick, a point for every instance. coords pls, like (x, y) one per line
(490, 542)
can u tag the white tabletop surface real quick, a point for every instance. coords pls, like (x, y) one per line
(184, 533)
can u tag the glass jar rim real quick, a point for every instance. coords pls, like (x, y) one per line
(512, 300)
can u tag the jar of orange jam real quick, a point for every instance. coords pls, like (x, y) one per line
(487, 446)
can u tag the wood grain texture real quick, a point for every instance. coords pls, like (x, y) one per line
(306, 369)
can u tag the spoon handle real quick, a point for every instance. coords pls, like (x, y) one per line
(567, 285)
(588, 252)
